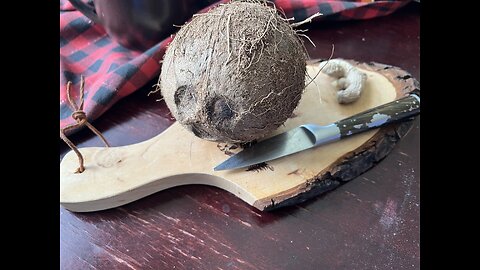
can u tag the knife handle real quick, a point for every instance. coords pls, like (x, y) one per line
(388, 113)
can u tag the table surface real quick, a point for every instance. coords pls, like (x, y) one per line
(371, 222)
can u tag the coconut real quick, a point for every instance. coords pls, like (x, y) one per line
(234, 74)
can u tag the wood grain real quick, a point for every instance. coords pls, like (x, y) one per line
(115, 176)
(371, 222)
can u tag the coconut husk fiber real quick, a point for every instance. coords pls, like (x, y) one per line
(234, 74)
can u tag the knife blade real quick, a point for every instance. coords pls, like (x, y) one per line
(311, 135)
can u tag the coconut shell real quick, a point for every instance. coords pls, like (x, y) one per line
(234, 74)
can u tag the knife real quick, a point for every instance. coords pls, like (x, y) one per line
(312, 135)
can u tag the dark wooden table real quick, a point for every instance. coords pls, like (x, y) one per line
(372, 222)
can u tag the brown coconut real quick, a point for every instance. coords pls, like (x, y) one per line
(234, 74)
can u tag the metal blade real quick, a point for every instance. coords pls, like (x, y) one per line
(281, 145)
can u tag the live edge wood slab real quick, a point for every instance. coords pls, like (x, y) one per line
(119, 175)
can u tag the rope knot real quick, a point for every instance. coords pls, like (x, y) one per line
(81, 119)
(79, 115)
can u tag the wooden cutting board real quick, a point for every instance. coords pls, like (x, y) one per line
(119, 175)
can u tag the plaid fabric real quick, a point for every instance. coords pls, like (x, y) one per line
(112, 72)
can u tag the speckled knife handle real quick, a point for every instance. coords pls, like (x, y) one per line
(388, 113)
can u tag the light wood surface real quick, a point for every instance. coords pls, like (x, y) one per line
(119, 175)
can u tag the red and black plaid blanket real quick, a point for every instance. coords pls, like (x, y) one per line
(112, 72)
